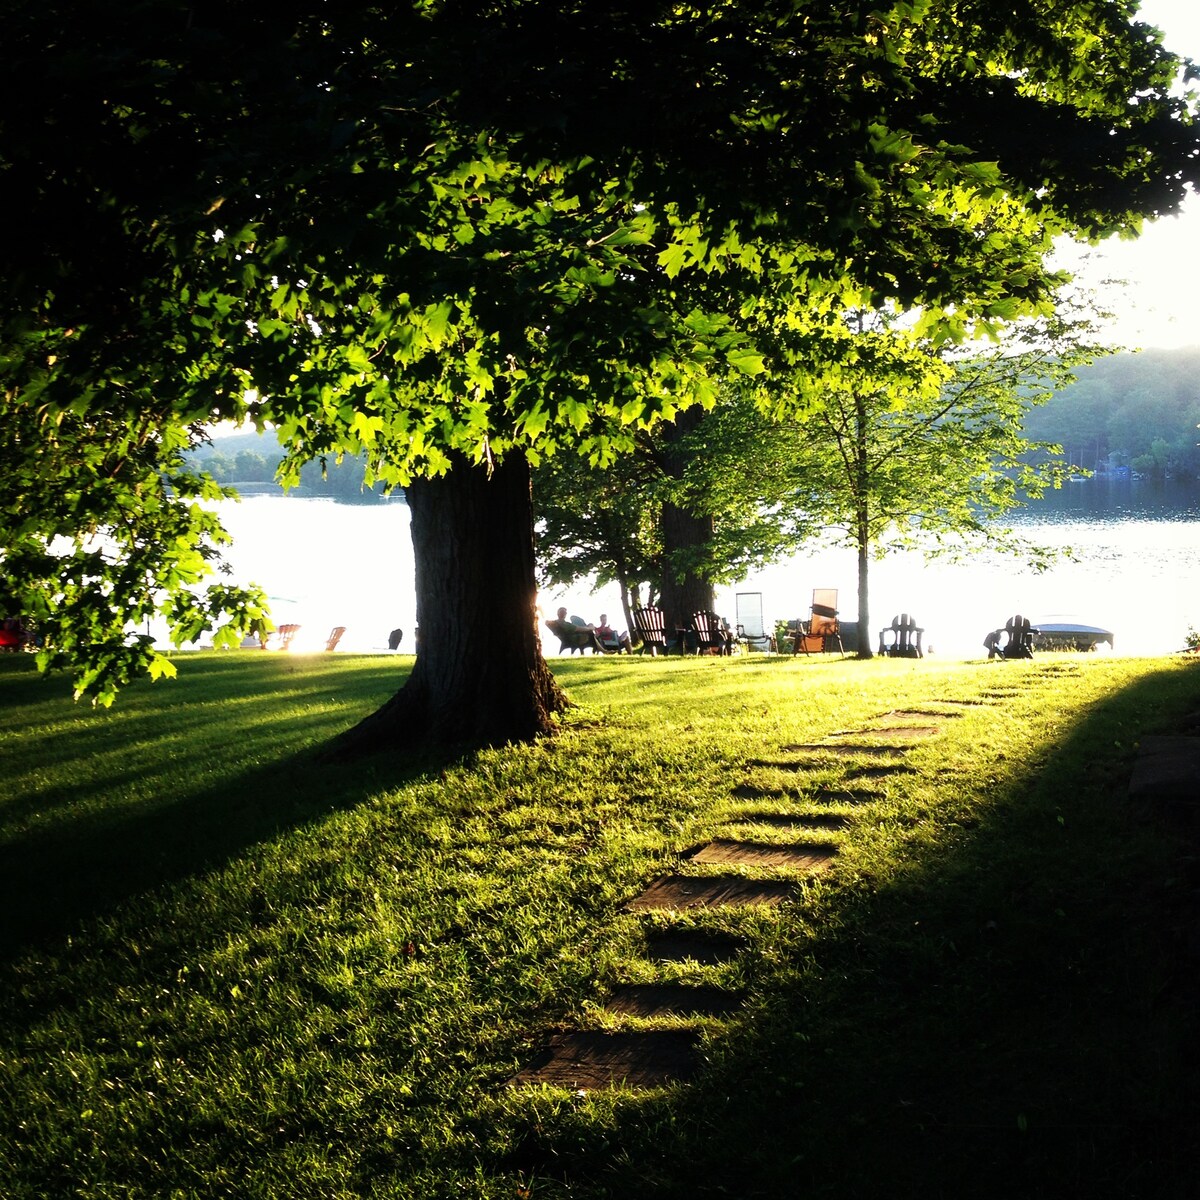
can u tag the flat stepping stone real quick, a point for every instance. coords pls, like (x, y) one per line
(799, 821)
(845, 749)
(879, 772)
(684, 945)
(728, 852)
(907, 733)
(678, 893)
(908, 714)
(751, 791)
(846, 795)
(584, 1062)
(665, 1000)
(1167, 771)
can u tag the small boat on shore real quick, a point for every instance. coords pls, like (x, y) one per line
(1068, 632)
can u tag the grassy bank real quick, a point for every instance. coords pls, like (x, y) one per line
(227, 969)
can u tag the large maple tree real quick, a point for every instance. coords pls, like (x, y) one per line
(456, 237)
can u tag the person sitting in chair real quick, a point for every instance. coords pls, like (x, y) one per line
(609, 638)
(573, 634)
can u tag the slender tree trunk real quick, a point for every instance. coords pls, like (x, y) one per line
(864, 608)
(626, 592)
(862, 518)
(479, 678)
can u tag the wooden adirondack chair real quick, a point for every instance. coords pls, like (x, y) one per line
(1018, 637)
(902, 638)
(651, 625)
(709, 635)
(573, 634)
(286, 634)
(335, 636)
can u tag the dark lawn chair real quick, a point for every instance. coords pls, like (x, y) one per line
(1018, 637)
(574, 635)
(901, 639)
(709, 636)
(751, 631)
(651, 625)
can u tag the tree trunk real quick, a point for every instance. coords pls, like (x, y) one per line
(862, 516)
(479, 678)
(864, 613)
(682, 596)
(683, 533)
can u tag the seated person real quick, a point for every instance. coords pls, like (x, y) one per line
(12, 634)
(609, 638)
(573, 634)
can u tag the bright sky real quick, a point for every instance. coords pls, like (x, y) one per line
(1160, 304)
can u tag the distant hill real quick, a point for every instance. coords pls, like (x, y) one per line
(249, 460)
(1137, 410)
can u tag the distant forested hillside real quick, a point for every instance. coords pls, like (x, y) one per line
(1130, 410)
(1137, 410)
(248, 461)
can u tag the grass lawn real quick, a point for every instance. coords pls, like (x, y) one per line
(228, 969)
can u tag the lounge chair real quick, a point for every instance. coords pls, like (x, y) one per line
(651, 626)
(901, 639)
(573, 635)
(334, 637)
(751, 631)
(822, 628)
(1018, 637)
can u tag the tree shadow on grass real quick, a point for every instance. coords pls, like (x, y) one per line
(64, 862)
(1010, 1014)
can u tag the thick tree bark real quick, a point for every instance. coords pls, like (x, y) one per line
(682, 596)
(683, 533)
(479, 678)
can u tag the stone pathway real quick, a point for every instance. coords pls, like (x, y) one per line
(680, 893)
(672, 999)
(702, 947)
(585, 1060)
(793, 821)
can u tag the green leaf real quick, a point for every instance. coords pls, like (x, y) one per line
(748, 362)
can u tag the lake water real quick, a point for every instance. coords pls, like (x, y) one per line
(1137, 572)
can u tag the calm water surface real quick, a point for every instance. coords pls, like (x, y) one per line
(1137, 572)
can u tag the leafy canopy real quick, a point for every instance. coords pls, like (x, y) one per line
(419, 232)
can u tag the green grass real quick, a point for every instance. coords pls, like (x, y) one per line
(228, 968)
